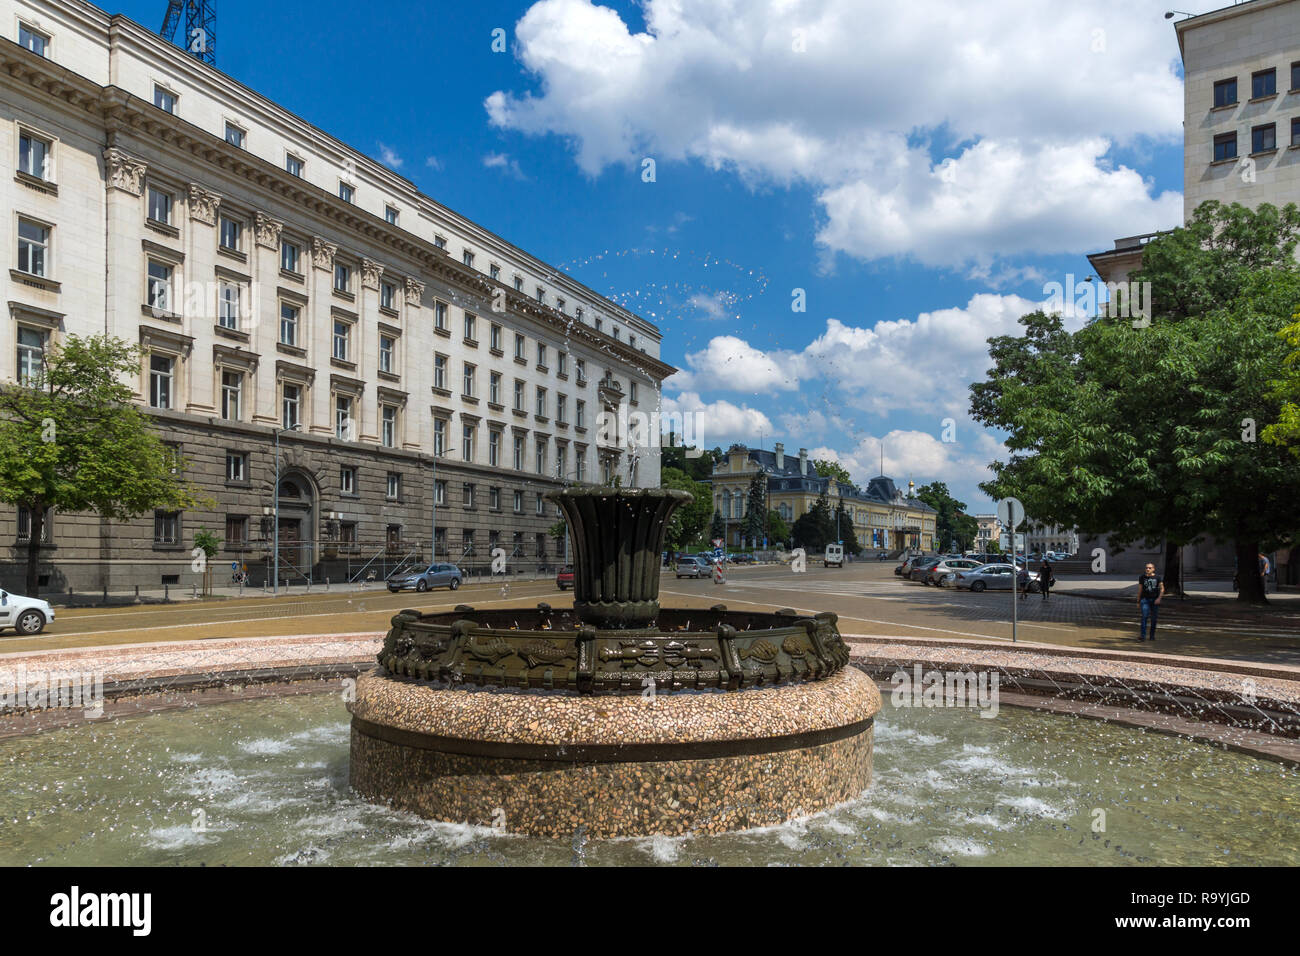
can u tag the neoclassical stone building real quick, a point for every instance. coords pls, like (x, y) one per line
(282, 285)
(883, 518)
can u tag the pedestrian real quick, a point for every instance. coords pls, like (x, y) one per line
(1022, 580)
(1046, 578)
(1150, 590)
(1264, 568)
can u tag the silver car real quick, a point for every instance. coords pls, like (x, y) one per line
(939, 573)
(994, 577)
(693, 567)
(434, 576)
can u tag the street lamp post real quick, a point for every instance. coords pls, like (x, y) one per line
(275, 550)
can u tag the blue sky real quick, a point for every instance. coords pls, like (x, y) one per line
(919, 170)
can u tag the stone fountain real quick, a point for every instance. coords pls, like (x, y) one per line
(617, 717)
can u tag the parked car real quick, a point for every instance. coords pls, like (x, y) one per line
(940, 571)
(743, 559)
(434, 576)
(834, 556)
(906, 566)
(564, 577)
(693, 566)
(920, 569)
(25, 615)
(995, 577)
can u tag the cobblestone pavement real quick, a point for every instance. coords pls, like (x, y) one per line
(866, 595)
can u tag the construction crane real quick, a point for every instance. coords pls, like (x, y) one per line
(200, 39)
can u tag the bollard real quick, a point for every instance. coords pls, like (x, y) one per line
(167, 593)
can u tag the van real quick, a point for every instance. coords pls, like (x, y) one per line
(834, 556)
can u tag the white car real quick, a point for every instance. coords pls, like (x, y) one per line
(834, 556)
(25, 615)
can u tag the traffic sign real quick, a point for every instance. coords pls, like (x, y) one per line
(1011, 512)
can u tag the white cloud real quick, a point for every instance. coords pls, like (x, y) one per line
(731, 364)
(713, 305)
(503, 162)
(719, 422)
(389, 157)
(918, 456)
(433, 162)
(1025, 99)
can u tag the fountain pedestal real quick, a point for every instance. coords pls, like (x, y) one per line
(616, 717)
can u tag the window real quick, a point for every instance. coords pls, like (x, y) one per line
(494, 448)
(631, 395)
(289, 315)
(580, 370)
(25, 525)
(580, 465)
(440, 492)
(342, 277)
(519, 508)
(31, 355)
(234, 135)
(616, 333)
(34, 155)
(164, 99)
(559, 304)
(228, 306)
(494, 271)
(1225, 92)
(1225, 147)
(440, 315)
(388, 425)
(519, 283)
(291, 406)
(166, 527)
(631, 340)
(519, 346)
(293, 165)
(541, 295)
(540, 540)
(541, 467)
(495, 338)
(561, 407)
(232, 390)
(386, 345)
(346, 192)
(390, 215)
(348, 535)
(468, 384)
(289, 253)
(439, 436)
(467, 494)
(160, 205)
(439, 242)
(394, 486)
(562, 363)
(519, 454)
(1263, 138)
(541, 355)
(578, 314)
(34, 40)
(236, 531)
(161, 370)
(494, 388)
(494, 502)
(580, 414)
(541, 401)
(440, 372)
(1295, 131)
(231, 233)
(388, 296)
(561, 460)
(342, 340)
(343, 417)
(541, 504)
(393, 537)
(467, 541)
(471, 326)
(236, 466)
(467, 442)
(467, 257)
(519, 395)
(1263, 83)
(33, 247)
(347, 480)
(600, 324)
(160, 286)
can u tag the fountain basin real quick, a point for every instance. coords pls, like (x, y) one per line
(549, 764)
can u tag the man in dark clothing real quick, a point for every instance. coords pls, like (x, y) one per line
(1150, 590)
(1046, 578)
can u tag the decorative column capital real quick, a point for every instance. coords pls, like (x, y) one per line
(414, 291)
(203, 204)
(268, 230)
(322, 253)
(123, 171)
(370, 273)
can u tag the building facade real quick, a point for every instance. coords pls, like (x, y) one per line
(989, 532)
(882, 517)
(286, 289)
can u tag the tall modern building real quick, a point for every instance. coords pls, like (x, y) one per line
(285, 286)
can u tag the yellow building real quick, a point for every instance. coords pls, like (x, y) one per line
(883, 519)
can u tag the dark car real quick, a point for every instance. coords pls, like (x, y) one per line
(434, 576)
(743, 559)
(564, 577)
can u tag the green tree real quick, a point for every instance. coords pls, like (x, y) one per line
(952, 527)
(698, 466)
(832, 469)
(1286, 430)
(814, 529)
(843, 527)
(778, 528)
(756, 509)
(209, 544)
(717, 527)
(72, 439)
(687, 524)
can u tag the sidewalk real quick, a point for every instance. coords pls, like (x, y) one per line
(1124, 588)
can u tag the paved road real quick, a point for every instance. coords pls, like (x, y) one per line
(867, 596)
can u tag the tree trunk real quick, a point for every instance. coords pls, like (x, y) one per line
(1173, 568)
(35, 528)
(1250, 584)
